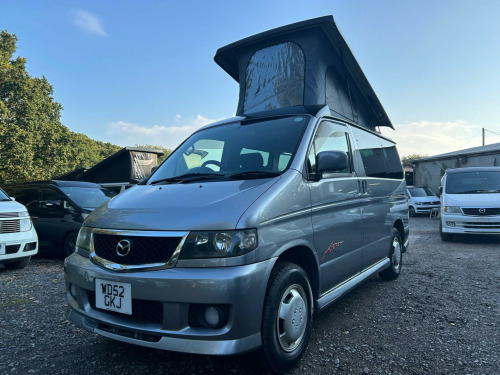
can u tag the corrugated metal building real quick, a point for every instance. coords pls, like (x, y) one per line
(428, 171)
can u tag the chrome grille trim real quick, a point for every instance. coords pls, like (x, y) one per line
(113, 266)
(10, 226)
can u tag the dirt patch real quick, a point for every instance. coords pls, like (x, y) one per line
(440, 317)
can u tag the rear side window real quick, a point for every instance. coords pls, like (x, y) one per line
(380, 156)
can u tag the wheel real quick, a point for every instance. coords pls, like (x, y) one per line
(287, 317)
(447, 237)
(17, 265)
(412, 211)
(70, 244)
(396, 257)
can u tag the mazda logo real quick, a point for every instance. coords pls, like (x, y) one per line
(123, 247)
(482, 210)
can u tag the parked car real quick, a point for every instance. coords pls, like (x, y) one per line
(58, 209)
(18, 239)
(470, 202)
(421, 200)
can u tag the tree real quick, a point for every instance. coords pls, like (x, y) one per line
(34, 145)
(407, 160)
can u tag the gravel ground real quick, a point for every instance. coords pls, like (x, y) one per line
(440, 317)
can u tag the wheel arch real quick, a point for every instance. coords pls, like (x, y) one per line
(306, 259)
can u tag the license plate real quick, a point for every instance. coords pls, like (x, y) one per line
(2, 249)
(113, 296)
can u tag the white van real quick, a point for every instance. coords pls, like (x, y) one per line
(470, 202)
(18, 238)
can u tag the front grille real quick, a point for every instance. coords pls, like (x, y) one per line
(143, 250)
(12, 249)
(494, 211)
(9, 226)
(143, 311)
(431, 203)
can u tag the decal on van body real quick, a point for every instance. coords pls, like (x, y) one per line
(332, 247)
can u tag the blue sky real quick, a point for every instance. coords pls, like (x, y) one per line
(142, 72)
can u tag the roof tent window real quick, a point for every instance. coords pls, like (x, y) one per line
(337, 93)
(275, 78)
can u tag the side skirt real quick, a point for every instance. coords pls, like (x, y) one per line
(338, 291)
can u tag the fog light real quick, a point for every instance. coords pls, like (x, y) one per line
(213, 316)
(450, 223)
(72, 290)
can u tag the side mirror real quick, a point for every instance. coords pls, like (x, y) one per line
(331, 161)
(54, 204)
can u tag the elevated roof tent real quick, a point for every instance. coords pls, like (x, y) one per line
(300, 68)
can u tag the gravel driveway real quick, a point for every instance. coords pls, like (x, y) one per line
(440, 317)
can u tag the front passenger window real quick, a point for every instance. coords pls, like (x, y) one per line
(330, 137)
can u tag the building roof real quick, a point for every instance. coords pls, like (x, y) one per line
(486, 149)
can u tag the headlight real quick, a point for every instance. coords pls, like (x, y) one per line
(219, 244)
(24, 225)
(418, 203)
(84, 238)
(452, 210)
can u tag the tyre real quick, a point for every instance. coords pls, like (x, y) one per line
(70, 244)
(17, 265)
(412, 211)
(287, 317)
(396, 257)
(446, 237)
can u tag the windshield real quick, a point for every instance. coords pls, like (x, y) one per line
(243, 150)
(421, 192)
(88, 197)
(3, 196)
(473, 182)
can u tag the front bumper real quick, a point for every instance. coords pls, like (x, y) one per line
(19, 245)
(460, 224)
(425, 209)
(241, 288)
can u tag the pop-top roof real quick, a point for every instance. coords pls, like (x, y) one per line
(300, 68)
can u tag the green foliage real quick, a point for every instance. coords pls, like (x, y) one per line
(407, 160)
(34, 145)
(166, 151)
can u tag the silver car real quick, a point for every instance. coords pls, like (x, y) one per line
(255, 223)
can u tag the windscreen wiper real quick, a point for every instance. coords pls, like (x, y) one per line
(188, 177)
(253, 174)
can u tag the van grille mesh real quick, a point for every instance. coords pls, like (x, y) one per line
(143, 249)
(481, 211)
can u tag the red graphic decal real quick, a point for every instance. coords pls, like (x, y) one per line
(331, 248)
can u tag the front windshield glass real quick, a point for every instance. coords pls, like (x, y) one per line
(3, 196)
(249, 149)
(421, 192)
(88, 197)
(473, 182)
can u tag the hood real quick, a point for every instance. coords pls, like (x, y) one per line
(179, 207)
(473, 200)
(11, 206)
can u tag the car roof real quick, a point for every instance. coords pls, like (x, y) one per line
(472, 169)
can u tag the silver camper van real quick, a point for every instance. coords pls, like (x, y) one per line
(255, 223)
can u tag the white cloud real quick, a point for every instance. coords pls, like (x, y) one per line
(89, 23)
(434, 137)
(128, 134)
